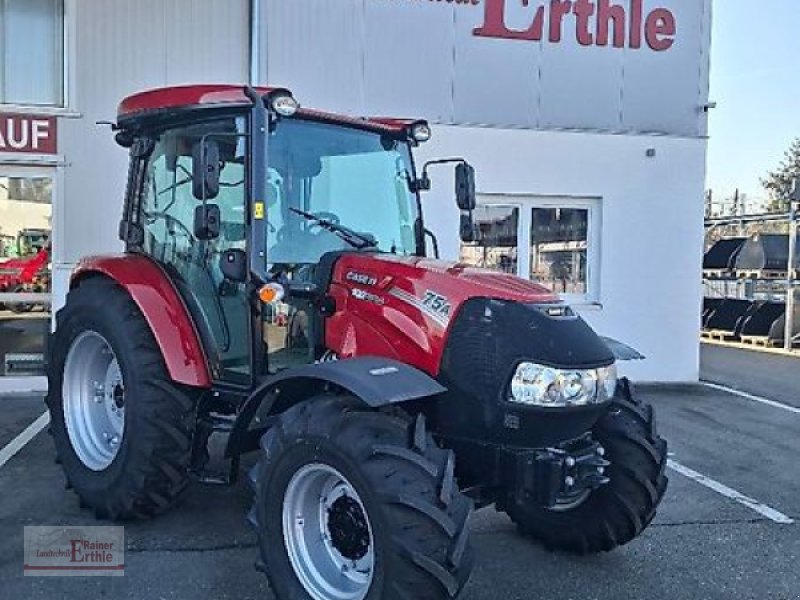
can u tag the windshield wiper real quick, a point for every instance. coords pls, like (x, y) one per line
(359, 241)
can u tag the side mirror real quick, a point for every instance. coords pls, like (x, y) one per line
(207, 221)
(465, 186)
(233, 264)
(467, 229)
(205, 170)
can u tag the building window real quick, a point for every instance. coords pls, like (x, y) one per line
(25, 223)
(498, 239)
(559, 249)
(553, 241)
(32, 52)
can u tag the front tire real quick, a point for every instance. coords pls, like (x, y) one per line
(382, 516)
(122, 430)
(620, 510)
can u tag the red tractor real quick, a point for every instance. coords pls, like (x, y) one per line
(275, 288)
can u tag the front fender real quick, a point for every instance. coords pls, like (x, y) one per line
(375, 381)
(163, 309)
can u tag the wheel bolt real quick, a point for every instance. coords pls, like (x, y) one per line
(601, 470)
(570, 481)
(601, 451)
(570, 462)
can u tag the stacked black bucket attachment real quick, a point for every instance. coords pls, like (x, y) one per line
(759, 258)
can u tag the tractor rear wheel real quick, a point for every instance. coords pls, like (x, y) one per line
(620, 510)
(122, 429)
(353, 504)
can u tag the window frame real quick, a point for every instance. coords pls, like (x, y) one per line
(526, 203)
(64, 105)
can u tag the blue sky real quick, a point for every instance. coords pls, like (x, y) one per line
(755, 79)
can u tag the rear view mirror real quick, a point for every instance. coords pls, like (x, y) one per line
(233, 264)
(207, 220)
(205, 170)
(465, 186)
(468, 230)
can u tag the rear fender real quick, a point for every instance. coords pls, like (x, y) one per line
(163, 309)
(375, 381)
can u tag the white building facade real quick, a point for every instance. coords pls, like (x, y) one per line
(585, 121)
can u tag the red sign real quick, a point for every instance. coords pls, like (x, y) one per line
(616, 23)
(592, 22)
(28, 134)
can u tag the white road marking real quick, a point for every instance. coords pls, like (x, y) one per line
(720, 488)
(754, 398)
(19, 442)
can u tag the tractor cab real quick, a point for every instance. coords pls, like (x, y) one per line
(234, 189)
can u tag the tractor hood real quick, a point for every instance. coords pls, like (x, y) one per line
(405, 308)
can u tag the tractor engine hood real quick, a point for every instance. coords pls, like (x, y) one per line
(406, 308)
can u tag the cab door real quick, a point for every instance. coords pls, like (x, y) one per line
(219, 308)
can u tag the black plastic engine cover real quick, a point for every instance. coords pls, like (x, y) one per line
(486, 343)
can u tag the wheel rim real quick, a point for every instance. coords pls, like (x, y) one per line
(94, 400)
(566, 502)
(328, 535)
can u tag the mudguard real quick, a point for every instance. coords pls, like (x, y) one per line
(622, 351)
(375, 381)
(163, 309)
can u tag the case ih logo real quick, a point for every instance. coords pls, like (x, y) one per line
(593, 22)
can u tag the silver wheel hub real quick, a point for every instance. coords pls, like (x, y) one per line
(328, 535)
(94, 400)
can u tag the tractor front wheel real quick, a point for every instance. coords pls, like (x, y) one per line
(355, 504)
(620, 510)
(121, 428)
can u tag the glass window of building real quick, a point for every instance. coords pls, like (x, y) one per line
(497, 243)
(25, 271)
(32, 52)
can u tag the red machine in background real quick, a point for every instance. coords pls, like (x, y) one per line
(28, 274)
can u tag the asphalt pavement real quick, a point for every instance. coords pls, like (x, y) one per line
(773, 376)
(704, 544)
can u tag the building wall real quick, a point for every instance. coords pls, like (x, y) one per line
(651, 234)
(447, 62)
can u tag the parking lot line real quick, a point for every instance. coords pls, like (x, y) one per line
(754, 398)
(19, 442)
(720, 488)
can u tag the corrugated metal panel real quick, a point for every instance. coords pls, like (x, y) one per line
(317, 51)
(660, 90)
(123, 47)
(422, 58)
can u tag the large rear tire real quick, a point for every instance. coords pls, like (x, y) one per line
(620, 510)
(122, 430)
(353, 504)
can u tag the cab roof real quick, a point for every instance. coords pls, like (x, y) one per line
(161, 101)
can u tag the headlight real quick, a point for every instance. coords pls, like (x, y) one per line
(283, 103)
(420, 132)
(538, 385)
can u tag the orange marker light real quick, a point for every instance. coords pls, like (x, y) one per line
(271, 293)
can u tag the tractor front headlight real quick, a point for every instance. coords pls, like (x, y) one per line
(538, 385)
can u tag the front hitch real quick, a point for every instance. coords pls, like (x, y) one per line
(546, 475)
